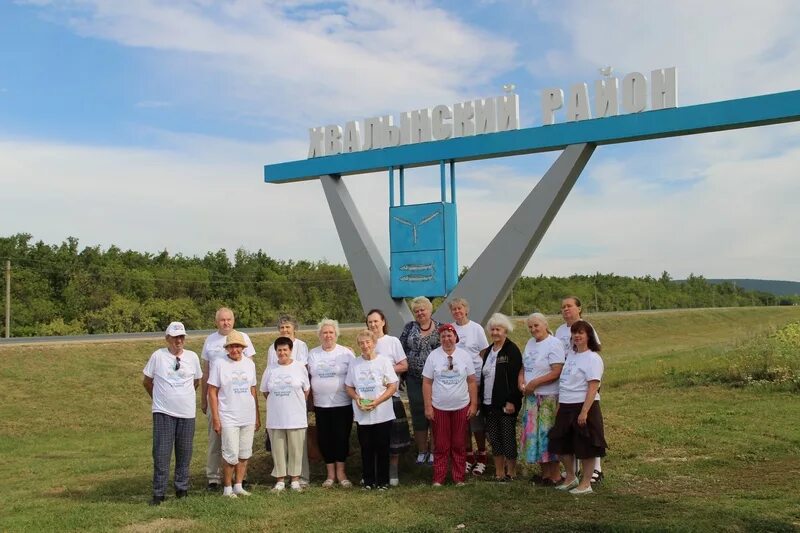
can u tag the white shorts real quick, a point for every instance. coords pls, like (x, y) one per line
(237, 443)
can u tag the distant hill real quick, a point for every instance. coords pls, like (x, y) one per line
(779, 288)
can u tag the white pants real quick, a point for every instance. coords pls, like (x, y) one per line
(237, 443)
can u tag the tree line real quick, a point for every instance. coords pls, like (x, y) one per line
(65, 290)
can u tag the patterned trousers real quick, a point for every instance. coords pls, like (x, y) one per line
(170, 432)
(449, 429)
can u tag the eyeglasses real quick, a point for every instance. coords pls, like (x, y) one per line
(449, 362)
(177, 363)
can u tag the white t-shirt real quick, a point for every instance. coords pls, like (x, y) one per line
(370, 379)
(391, 348)
(173, 390)
(472, 339)
(286, 403)
(579, 370)
(537, 358)
(237, 407)
(214, 349)
(328, 371)
(564, 334)
(450, 389)
(299, 353)
(489, 370)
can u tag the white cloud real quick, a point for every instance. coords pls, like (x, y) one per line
(291, 62)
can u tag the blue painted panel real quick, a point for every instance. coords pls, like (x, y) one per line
(730, 114)
(416, 227)
(418, 274)
(424, 250)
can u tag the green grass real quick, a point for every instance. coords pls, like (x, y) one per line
(75, 446)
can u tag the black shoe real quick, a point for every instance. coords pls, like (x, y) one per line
(212, 487)
(156, 500)
(181, 494)
(597, 476)
(245, 484)
(509, 478)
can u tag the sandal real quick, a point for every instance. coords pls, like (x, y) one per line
(328, 483)
(479, 469)
(345, 483)
(597, 476)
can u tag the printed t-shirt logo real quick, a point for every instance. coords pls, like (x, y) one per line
(240, 382)
(280, 384)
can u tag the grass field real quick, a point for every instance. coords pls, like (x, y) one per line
(75, 434)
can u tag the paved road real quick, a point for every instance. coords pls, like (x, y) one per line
(120, 337)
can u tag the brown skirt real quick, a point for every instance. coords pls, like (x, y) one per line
(568, 438)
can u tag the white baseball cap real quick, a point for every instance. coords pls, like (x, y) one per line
(176, 329)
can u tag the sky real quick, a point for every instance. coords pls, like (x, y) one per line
(146, 124)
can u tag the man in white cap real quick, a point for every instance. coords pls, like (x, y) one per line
(171, 377)
(213, 351)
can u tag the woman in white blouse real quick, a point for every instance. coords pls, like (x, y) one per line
(371, 382)
(285, 386)
(450, 393)
(578, 430)
(542, 361)
(328, 364)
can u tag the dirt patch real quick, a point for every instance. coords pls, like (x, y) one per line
(162, 524)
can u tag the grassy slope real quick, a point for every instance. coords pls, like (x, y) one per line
(75, 444)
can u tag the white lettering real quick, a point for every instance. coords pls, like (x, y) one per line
(420, 125)
(333, 139)
(485, 116)
(440, 129)
(463, 119)
(605, 98)
(316, 140)
(578, 106)
(405, 128)
(664, 88)
(634, 92)
(391, 133)
(352, 137)
(507, 112)
(373, 133)
(552, 99)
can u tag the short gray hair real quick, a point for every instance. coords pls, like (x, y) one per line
(538, 316)
(458, 301)
(328, 322)
(421, 301)
(287, 319)
(499, 319)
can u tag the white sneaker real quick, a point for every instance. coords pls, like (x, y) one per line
(296, 486)
(304, 483)
(279, 486)
(421, 458)
(241, 492)
(394, 482)
(229, 495)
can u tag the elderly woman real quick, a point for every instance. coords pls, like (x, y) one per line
(328, 365)
(371, 382)
(500, 395)
(234, 410)
(390, 347)
(285, 386)
(450, 392)
(472, 339)
(542, 361)
(578, 430)
(287, 327)
(572, 311)
(419, 338)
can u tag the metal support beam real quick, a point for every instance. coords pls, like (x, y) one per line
(370, 272)
(488, 282)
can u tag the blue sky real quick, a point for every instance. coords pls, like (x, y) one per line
(146, 124)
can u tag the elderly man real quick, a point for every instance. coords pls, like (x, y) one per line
(171, 377)
(213, 351)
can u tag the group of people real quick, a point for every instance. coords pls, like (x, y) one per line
(460, 385)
